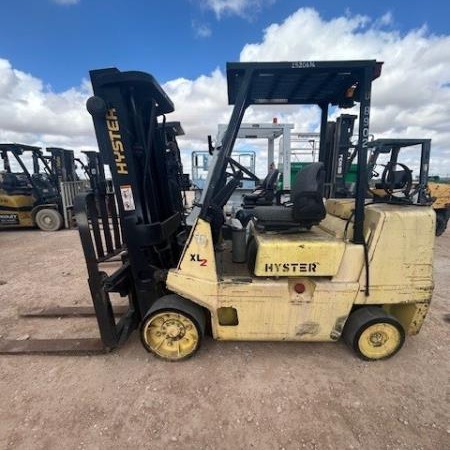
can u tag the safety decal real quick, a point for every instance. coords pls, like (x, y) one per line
(9, 219)
(127, 198)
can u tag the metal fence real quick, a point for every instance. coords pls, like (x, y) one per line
(69, 190)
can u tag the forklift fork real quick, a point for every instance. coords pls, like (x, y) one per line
(101, 240)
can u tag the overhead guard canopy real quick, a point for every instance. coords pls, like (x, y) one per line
(173, 128)
(144, 86)
(396, 142)
(302, 82)
(19, 147)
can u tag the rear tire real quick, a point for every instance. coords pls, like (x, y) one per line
(441, 222)
(173, 328)
(48, 219)
(373, 334)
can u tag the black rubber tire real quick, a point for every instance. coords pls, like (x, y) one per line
(252, 250)
(48, 219)
(441, 222)
(360, 320)
(178, 304)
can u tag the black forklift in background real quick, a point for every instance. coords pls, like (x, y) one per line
(27, 198)
(94, 170)
(63, 164)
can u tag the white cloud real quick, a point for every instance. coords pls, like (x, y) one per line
(412, 96)
(66, 2)
(201, 30)
(242, 8)
(410, 99)
(31, 113)
(27, 106)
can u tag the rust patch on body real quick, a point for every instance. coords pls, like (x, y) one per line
(311, 328)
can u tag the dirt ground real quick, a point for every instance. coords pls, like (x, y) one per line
(229, 396)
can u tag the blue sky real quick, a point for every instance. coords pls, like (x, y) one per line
(59, 43)
(47, 48)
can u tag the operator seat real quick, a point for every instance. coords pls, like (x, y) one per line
(12, 184)
(305, 208)
(264, 193)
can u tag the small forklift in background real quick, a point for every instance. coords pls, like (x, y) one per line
(314, 271)
(27, 198)
(396, 181)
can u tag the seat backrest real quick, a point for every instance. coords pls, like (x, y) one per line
(307, 193)
(10, 182)
(263, 194)
(270, 180)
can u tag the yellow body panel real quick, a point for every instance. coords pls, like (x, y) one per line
(314, 253)
(340, 207)
(400, 250)
(270, 309)
(198, 257)
(15, 210)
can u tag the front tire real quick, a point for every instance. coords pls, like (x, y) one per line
(373, 334)
(48, 219)
(173, 328)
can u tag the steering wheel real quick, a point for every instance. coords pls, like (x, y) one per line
(395, 181)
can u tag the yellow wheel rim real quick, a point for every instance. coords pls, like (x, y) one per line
(379, 340)
(171, 335)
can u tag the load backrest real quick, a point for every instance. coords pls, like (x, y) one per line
(270, 180)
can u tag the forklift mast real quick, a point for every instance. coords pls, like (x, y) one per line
(148, 228)
(176, 179)
(95, 171)
(338, 158)
(62, 163)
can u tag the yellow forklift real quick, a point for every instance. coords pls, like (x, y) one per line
(312, 270)
(27, 198)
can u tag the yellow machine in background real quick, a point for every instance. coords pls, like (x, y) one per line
(440, 192)
(28, 199)
(396, 181)
(15, 210)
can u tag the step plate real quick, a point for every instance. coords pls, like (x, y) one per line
(63, 346)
